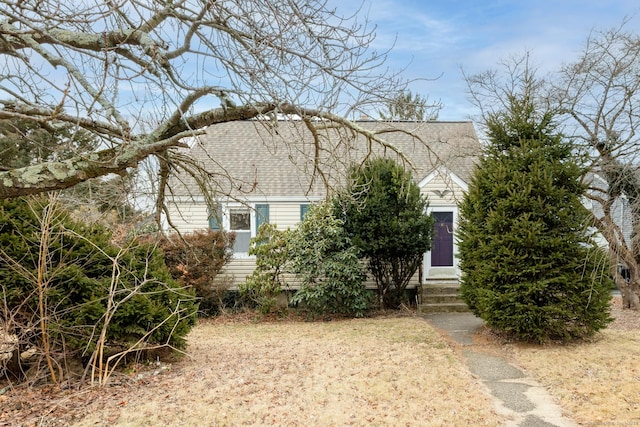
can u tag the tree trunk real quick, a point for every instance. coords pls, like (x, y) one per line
(630, 290)
(630, 295)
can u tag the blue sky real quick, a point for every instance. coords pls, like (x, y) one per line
(437, 38)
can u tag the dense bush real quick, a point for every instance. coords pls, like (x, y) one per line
(328, 265)
(62, 281)
(385, 215)
(196, 260)
(530, 266)
(264, 287)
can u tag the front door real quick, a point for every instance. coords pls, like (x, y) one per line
(442, 250)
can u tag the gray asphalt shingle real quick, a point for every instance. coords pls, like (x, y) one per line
(280, 158)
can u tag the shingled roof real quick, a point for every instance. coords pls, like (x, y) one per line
(280, 159)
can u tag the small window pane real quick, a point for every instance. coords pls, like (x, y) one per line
(242, 242)
(443, 217)
(239, 219)
(303, 211)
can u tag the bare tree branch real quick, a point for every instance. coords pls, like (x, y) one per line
(142, 76)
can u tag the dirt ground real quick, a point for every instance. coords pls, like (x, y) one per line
(393, 370)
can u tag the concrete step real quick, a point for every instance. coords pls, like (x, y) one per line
(456, 307)
(442, 281)
(441, 296)
(440, 289)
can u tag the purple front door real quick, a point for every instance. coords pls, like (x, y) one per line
(442, 250)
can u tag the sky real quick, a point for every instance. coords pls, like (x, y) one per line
(434, 40)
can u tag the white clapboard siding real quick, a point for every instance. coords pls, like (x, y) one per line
(239, 268)
(284, 214)
(188, 217)
(442, 191)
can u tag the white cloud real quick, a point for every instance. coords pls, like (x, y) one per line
(440, 36)
(430, 38)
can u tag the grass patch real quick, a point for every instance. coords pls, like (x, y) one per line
(598, 382)
(375, 371)
(379, 371)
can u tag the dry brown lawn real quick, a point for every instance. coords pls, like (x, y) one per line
(380, 371)
(596, 382)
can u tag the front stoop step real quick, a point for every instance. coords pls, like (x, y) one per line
(442, 297)
(460, 307)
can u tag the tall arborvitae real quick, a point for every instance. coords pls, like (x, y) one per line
(530, 265)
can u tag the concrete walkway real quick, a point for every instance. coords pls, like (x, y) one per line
(520, 399)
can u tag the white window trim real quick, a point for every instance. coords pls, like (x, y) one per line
(226, 222)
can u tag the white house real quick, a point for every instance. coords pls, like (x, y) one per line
(266, 171)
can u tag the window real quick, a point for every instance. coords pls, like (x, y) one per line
(240, 223)
(244, 221)
(303, 211)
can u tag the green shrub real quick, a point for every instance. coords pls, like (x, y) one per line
(262, 289)
(328, 265)
(57, 295)
(385, 215)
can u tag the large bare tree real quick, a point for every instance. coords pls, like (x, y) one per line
(143, 76)
(599, 95)
(596, 99)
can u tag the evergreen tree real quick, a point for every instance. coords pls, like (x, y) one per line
(530, 265)
(385, 215)
(58, 296)
(24, 142)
